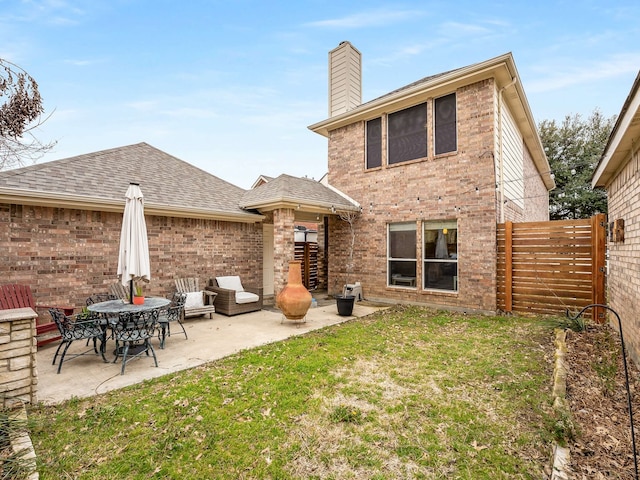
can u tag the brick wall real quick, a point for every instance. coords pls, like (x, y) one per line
(623, 280)
(457, 186)
(65, 255)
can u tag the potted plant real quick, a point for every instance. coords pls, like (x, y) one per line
(345, 302)
(138, 296)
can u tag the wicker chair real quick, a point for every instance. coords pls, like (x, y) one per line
(226, 302)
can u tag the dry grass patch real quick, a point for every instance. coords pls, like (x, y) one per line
(408, 393)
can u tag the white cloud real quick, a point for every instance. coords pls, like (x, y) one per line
(582, 71)
(374, 18)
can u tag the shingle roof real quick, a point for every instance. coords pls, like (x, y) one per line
(167, 182)
(296, 190)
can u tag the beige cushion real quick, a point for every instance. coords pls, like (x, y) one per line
(231, 282)
(194, 300)
(246, 297)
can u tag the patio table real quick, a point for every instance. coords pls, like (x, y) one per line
(113, 308)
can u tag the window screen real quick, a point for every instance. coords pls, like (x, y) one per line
(374, 143)
(407, 134)
(445, 124)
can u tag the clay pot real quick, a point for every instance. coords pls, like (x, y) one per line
(138, 300)
(294, 299)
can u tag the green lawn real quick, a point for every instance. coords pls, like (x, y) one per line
(405, 393)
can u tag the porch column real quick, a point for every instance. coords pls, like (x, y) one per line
(283, 246)
(18, 372)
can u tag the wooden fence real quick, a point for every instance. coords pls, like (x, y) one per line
(307, 253)
(552, 267)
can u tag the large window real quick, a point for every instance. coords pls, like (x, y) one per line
(407, 134)
(440, 252)
(401, 255)
(446, 136)
(374, 143)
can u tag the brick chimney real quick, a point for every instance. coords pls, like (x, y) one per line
(345, 79)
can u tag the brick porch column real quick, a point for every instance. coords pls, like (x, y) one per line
(18, 373)
(283, 246)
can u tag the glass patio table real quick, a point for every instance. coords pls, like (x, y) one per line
(113, 308)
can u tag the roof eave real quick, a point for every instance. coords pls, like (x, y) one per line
(622, 140)
(81, 202)
(502, 68)
(294, 204)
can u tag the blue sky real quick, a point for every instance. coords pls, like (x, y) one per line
(231, 86)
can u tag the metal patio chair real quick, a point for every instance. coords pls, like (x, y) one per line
(174, 312)
(81, 326)
(132, 332)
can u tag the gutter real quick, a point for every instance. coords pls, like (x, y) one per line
(81, 202)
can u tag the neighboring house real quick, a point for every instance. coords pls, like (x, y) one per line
(435, 166)
(619, 173)
(60, 223)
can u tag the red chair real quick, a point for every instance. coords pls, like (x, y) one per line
(20, 296)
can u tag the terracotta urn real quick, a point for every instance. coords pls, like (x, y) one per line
(294, 299)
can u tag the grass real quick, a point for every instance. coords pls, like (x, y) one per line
(405, 393)
(13, 461)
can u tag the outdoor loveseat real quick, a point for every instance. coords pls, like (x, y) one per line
(234, 298)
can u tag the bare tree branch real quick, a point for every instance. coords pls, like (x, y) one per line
(20, 113)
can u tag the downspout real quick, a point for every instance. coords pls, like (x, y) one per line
(500, 141)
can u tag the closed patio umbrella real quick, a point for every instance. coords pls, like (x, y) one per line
(133, 258)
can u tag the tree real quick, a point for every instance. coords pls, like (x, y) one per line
(574, 148)
(20, 113)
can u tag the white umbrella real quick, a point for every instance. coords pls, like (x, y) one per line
(133, 259)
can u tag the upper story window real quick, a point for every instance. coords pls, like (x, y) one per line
(407, 134)
(445, 128)
(374, 143)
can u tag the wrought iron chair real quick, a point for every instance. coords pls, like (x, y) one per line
(132, 332)
(103, 297)
(172, 313)
(81, 326)
(100, 297)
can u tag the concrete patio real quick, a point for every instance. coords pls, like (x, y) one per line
(209, 339)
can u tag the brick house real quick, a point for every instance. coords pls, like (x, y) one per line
(435, 166)
(60, 223)
(619, 173)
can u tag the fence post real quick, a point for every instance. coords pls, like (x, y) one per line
(598, 248)
(508, 266)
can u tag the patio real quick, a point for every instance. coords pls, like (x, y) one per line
(209, 339)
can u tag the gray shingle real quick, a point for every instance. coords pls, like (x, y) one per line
(165, 180)
(286, 188)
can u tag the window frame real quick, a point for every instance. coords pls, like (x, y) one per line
(448, 263)
(398, 279)
(394, 141)
(376, 142)
(437, 139)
